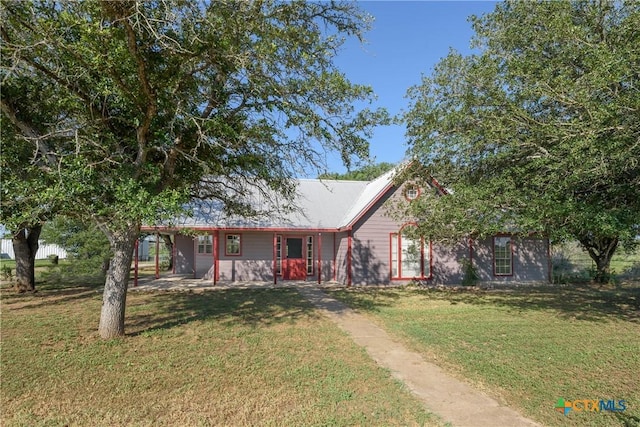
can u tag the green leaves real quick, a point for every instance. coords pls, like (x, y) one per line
(538, 131)
(138, 102)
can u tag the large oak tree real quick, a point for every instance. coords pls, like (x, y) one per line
(539, 130)
(22, 211)
(148, 104)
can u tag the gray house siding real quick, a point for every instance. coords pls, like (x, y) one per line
(448, 262)
(530, 261)
(371, 254)
(255, 261)
(184, 254)
(204, 263)
(371, 245)
(326, 259)
(341, 257)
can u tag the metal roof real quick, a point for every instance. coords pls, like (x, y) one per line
(319, 204)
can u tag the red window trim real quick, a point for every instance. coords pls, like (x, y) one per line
(226, 253)
(306, 253)
(283, 239)
(423, 249)
(275, 251)
(411, 187)
(493, 250)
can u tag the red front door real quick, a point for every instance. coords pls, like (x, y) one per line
(295, 265)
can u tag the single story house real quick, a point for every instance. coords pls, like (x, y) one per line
(342, 233)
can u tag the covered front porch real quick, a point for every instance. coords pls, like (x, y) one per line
(249, 256)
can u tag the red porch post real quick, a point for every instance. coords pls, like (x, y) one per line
(319, 258)
(135, 262)
(215, 257)
(157, 256)
(349, 238)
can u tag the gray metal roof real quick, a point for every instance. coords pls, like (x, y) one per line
(319, 204)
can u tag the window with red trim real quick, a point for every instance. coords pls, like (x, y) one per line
(411, 192)
(279, 255)
(502, 256)
(232, 245)
(309, 255)
(409, 257)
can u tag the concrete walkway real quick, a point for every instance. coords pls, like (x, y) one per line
(454, 401)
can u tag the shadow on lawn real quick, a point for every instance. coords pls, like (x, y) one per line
(148, 312)
(628, 420)
(583, 302)
(367, 299)
(253, 307)
(51, 294)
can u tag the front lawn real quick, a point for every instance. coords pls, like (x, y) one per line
(527, 347)
(236, 357)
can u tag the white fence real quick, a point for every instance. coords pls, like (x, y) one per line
(6, 251)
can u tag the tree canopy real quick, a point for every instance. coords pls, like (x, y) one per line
(539, 130)
(364, 173)
(130, 108)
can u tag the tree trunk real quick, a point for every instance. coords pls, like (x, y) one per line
(169, 245)
(114, 298)
(104, 267)
(601, 251)
(25, 247)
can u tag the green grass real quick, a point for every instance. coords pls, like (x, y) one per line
(236, 357)
(527, 347)
(11, 263)
(571, 263)
(43, 267)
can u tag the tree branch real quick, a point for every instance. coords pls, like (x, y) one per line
(29, 132)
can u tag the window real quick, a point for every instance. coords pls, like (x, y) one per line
(205, 244)
(411, 192)
(279, 255)
(309, 255)
(232, 244)
(409, 257)
(502, 256)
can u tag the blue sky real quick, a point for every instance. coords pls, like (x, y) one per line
(408, 38)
